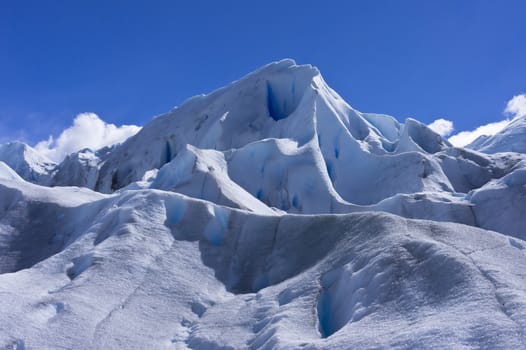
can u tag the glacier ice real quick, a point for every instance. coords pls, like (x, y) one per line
(267, 214)
(26, 161)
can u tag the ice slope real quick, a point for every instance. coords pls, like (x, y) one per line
(79, 169)
(6, 173)
(511, 139)
(36, 224)
(505, 199)
(27, 162)
(154, 269)
(203, 174)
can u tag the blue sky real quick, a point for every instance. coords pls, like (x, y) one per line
(127, 61)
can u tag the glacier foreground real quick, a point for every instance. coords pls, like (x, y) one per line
(268, 214)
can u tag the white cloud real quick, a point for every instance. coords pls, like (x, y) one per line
(441, 126)
(464, 138)
(516, 106)
(87, 131)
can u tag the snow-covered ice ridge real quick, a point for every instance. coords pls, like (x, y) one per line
(268, 214)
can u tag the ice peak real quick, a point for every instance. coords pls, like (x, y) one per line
(15, 145)
(21, 149)
(287, 65)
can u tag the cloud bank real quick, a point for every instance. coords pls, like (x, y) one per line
(515, 108)
(87, 131)
(464, 138)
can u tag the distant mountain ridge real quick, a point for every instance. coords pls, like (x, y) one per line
(27, 162)
(510, 139)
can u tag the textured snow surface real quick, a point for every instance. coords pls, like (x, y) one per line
(153, 269)
(268, 214)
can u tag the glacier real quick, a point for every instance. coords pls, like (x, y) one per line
(268, 214)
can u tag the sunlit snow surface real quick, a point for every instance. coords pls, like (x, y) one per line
(193, 235)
